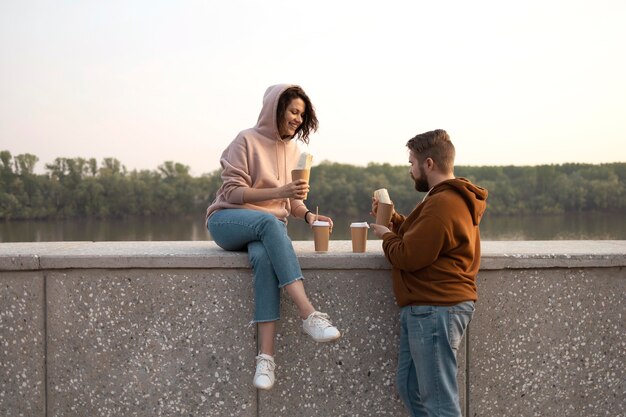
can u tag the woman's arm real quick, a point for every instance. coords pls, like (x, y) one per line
(296, 189)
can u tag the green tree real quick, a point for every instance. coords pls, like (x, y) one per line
(25, 164)
(77, 187)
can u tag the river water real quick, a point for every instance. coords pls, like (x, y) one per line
(572, 226)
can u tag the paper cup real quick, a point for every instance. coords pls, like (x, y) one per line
(383, 214)
(301, 174)
(321, 235)
(359, 236)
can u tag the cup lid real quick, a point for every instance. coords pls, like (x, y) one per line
(320, 223)
(359, 224)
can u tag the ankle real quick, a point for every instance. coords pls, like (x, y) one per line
(304, 314)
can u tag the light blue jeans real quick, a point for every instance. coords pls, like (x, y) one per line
(427, 369)
(270, 252)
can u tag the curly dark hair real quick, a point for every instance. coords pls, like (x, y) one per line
(309, 119)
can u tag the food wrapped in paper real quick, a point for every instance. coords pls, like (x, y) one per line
(305, 161)
(382, 196)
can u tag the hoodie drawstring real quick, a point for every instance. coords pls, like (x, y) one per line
(284, 160)
(277, 167)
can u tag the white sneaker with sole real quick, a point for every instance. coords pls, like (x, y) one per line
(319, 327)
(264, 375)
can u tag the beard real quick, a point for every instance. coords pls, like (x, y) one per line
(421, 183)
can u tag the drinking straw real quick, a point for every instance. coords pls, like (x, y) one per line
(317, 209)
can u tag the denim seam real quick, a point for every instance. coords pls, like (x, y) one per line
(237, 223)
(450, 332)
(265, 320)
(436, 359)
(300, 278)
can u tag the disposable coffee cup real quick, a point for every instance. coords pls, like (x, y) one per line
(301, 174)
(383, 213)
(359, 236)
(321, 235)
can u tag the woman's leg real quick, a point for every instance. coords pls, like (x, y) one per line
(233, 229)
(266, 291)
(273, 258)
(267, 303)
(299, 297)
(269, 248)
(267, 331)
(264, 376)
(267, 287)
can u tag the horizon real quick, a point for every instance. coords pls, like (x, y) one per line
(529, 84)
(40, 168)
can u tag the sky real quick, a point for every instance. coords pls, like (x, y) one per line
(514, 83)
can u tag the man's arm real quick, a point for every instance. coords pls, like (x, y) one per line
(419, 247)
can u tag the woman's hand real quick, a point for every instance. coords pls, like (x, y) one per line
(296, 189)
(322, 219)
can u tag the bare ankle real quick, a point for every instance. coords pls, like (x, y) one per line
(304, 314)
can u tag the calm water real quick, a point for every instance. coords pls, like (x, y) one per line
(558, 227)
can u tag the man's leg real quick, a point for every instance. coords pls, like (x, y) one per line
(406, 377)
(434, 359)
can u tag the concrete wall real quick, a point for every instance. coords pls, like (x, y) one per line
(161, 329)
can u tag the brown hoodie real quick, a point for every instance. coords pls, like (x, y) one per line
(259, 158)
(435, 251)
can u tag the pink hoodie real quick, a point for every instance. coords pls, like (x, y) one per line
(259, 158)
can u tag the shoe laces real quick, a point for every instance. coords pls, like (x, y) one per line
(264, 365)
(320, 320)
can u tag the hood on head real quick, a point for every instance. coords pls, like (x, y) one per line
(267, 124)
(475, 197)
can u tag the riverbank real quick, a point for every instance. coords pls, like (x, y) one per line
(569, 226)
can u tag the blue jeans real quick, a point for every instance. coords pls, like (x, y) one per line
(427, 369)
(270, 252)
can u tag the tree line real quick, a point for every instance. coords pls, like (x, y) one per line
(84, 188)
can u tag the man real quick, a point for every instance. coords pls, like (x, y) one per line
(435, 256)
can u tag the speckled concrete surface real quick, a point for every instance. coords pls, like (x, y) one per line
(549, 343)
(157, 343)
(163, 331)
(354, 376)
(22, 347)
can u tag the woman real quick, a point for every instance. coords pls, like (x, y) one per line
(250, 212)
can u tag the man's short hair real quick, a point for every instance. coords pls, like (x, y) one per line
(435, 145)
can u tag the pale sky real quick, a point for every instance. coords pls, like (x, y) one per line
(513, 82)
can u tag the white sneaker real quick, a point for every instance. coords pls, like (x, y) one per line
(319, 327)
(264, 375)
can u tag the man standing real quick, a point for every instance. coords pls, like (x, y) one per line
(435, 257)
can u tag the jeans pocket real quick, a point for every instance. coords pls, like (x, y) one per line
(458, 322)
(422, 312)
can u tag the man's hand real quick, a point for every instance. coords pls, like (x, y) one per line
(379, 230)
(374, 207)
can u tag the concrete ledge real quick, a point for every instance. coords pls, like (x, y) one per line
(553, 254)
(205, 254)
(161, 328)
